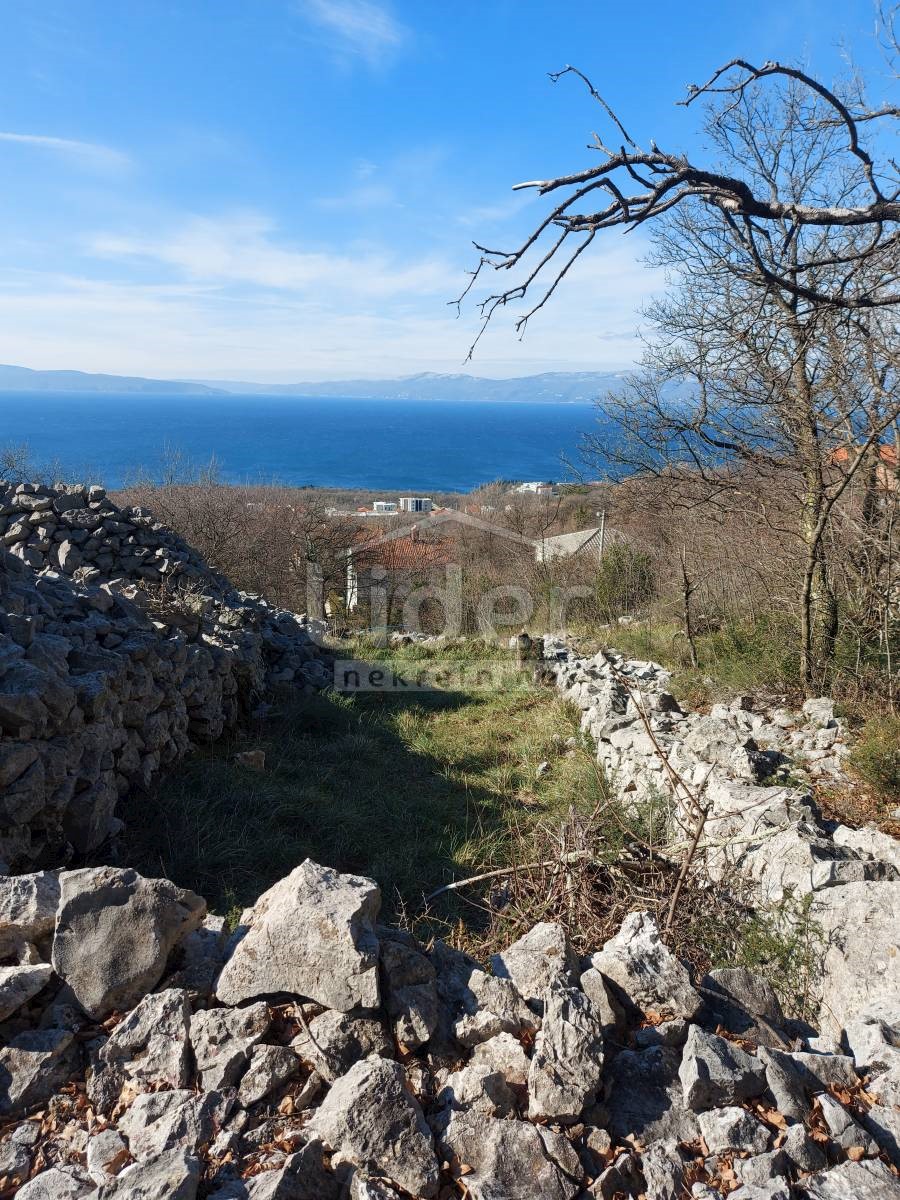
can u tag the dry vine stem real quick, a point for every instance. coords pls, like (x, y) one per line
(689, 848)
(700, 811)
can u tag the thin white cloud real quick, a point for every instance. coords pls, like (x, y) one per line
(358, 28)
(89, 154)
(194, 328)
(243, 250)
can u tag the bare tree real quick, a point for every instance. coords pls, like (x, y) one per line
(776, 345)
(636, 185)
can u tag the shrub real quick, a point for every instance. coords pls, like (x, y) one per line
(625, 581)
(876, 755)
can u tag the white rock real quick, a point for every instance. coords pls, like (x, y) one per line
(335, 1041)
(161, 1122)
(715, 1072)
(149, 1046)
(19, 984)
(28, 904)
(310, 935)
(567, 1064)
(638, 962)
(860, 928)
(503, 1054)
(369, 1119)
(174, 1175)
(107, 1154)
(509, 1160)
(538, 958)
(222, 1039)
(33, 1065)
(733, 1128)
(59, 1183)
(270, 1067)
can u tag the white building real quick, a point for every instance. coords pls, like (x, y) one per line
(417, 504)
(537, 488)
(384, 506)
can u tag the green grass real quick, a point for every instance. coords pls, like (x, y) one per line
(876, 755)
(413, 790)
(736, 658)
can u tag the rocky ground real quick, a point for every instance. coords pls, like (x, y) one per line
(722, 769)
(317, 1055)
(146, 1053)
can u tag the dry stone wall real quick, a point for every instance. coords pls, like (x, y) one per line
(774, 837)
(119, 650)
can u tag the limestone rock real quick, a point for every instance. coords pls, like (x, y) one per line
(508, 1160)
(803, 1152)
(652, 978)
(270, 1067)
(743, 1003)
(335, 1041)
(369, 1119)
(537, 959)
(33, 1065)
(776, 1189)
(222, 1040)
(371, 1189)
(20, 983)
(477, 1087)
(478, 1006)
(107, 1154)
(174, 1175)
(605, 1004)
(842, 1128)
(663, 1171)
(16, 1149)
(861, 1181)
(715, 1072)
(114, 932)
(567, 1064)
(503, 1054)
(200, 958)
(148, 1047)
(161, 1122)
(410, 991)
(645, 1097)
(819, 711)
(28, 905)
(733, 1128)
(310, 935)
(59, 1183)
(860, 924)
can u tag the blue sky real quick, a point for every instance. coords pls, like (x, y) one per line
(288, 189)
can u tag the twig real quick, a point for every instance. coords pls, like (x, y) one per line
(574, 856)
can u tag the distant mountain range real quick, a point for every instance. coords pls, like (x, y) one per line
(559, 386)
(21, 379)
(564, 387)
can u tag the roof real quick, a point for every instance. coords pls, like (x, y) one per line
(406, 553)
(886, 453)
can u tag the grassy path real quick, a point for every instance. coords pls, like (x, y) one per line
(412, 790)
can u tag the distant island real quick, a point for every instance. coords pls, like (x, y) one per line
(22, 379)
(554, 386)
(562, 387)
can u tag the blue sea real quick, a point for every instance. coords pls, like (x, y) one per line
(390, 445)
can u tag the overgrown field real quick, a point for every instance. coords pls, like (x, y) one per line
(422, 790)
(414, 790)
